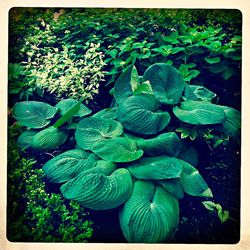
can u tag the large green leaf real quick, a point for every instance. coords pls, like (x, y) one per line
(151, 214)
(65, 105)
(167, 143)
(122, 88)
(196, 93)
(91, 130)
(48, 138)
(98, 191)
(193, 183)
(204, 112)
(68, 165)
(108, 113)
(140, 114)
(232, 123)
(33, 114)
(166, 81)
(156, 168)
(24, 140)
(199, 112)
(119, 149)
(190, 155)
(173, 186)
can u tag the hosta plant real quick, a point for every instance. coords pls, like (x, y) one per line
(38, 118)
(129, 156)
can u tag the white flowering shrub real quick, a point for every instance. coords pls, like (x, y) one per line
(63, 73)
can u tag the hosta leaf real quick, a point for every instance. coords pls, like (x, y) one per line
(232, 122)
(173, 186)
(119, 149)
(156, 168)
(98, 191)
(64, 105)
(199, 112)
(166, 82)
(48, 138)
(150, 215)
(196, 93)
(92, 129)
(203, 112)
(140, 114)
(108, 113)
(24, 140)
(167, 143)
(189, 155)
(193, 183)
(122, 88)
(68, 165)
(33, 114)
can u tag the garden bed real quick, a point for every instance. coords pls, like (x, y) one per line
(191, 50)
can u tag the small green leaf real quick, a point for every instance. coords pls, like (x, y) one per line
(209, 205)
(193, 134)
(212, 60)
(228, 73)
(145, 88)
(223, 215)
(217, 143)
(134, 80)
(184, 134)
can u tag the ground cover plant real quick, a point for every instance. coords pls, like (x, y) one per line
(132, 121)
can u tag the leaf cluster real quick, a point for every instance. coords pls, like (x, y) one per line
(33, 214)
(71, 51)
(126, 156)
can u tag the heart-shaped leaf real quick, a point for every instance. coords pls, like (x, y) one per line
(119, 149)
(33, 114)
(98, 191)
(48, 138)
(91, 130)
(150, 215)
(166, 81)
(140, 114)
(68, 165)
(156, 168)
